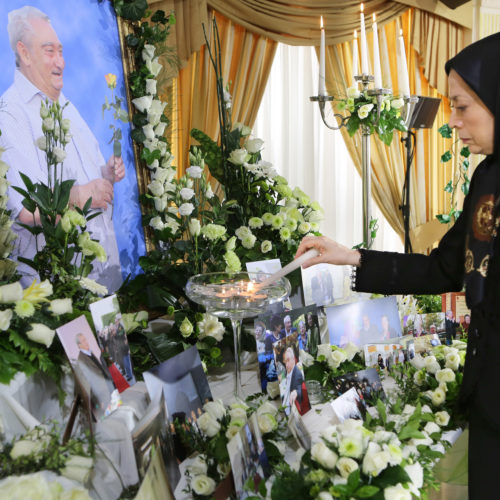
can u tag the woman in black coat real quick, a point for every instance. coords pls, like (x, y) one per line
(468, 254)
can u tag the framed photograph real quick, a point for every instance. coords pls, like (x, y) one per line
(248, 458)
(88, 362)
(364, 322)
(155, 483)
(270, 329)
(183, 383)
(89, 34)
(366, 383)
(323, 284)
(152, 434)
(349, 405)
(424, 324)
(298, 429)
(111, 335)
(269, 266)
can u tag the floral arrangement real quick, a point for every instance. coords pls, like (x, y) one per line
(382, 118)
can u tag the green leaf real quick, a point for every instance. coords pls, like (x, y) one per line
(27, 182)
(465, 152)
(366, 491)
(465, 187)
(445, 131)
(446, 157)
(449, 187)
(133, 10)
(392, 476)
(353, 480)
(138, 135)
(443, 218)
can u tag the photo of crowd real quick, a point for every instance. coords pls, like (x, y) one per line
(364, 322)
(385, 356)
(301, 325)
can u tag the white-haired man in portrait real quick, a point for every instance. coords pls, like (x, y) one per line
(39, 76)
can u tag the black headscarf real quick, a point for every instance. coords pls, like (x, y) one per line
(479, 66)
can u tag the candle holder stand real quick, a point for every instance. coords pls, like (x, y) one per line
(341, 121)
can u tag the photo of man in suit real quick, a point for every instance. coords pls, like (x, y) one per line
(289, 329)
(294, 379)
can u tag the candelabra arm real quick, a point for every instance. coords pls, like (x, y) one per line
(322, 100)
(409, 108)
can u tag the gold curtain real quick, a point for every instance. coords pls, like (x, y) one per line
(388, 163)
(246, 62)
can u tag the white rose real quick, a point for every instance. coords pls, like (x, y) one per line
(156, 188)
(150, 86)
(149, 131)
(323, 455)
(5, 319)
(238, 413)
(41, 334)
(337, 358)
(452, 361)
(161, 203)
(11, 293)
(25, 447)
(364, 110)
(431, 428)
(267, 423)
(160, 128)
(446, 375)
(197, 466)
(383, 436)
(194, 172)
(142, 103)
(61, 306)
(154, 67)
(375, 460)
(353, 92)
(148, 52)
(233, 428)
(351, 446)
(418, 361)
(208, 425)
(248, 241)
(408, 410)
(156, 223)
(324, 495)
(194, 227)
(426, 409)
(442, 418)
(429, 360)
(203, 485)
(254, 145)
(425, 441)
(324, 350)
(398, 492)
(346, 466)
(416, 474)
(210, 326)
(216, 409)
(350, 350)
(186, 209)
(397, 103)
(77, 468)
(267, 407)
(439, 448)
(239, 156)
(305, 358)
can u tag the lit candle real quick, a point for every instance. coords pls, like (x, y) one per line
(355, 65)
(403, 80)
(364, 49)
(376, 56)
(321, 82)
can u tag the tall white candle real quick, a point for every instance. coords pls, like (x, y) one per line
(364, 48)
(321, 81)
(355, 64)
(376, 57)
(403, 80)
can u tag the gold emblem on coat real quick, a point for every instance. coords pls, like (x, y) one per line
(469, 261)
(482, 222)
(483, 267)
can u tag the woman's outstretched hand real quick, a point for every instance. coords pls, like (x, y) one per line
(330, 252)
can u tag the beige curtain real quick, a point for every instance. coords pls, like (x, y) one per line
(246, 61)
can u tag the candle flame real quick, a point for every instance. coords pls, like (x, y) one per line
(362, 8)
(374, 17)
(250, 287)
(321, 24)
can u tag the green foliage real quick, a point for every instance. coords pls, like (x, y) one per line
(429, 303)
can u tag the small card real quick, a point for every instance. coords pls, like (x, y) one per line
(298, 429)
(366, 383)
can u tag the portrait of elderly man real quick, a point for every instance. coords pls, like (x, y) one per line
(38, 76)
(293, 381)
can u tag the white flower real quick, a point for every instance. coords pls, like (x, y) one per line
(203, 485)
(426, 409)
(431, 428)
(442, 418)
(439, 448)
(418, 361)
(197, 466)
(156, 223)
(210, 327)
(93, 286)
(61, 306)
(416, 474)
(351, 446)
(408, 410)
(11, 292)
(154, 67)
(419, 377)
(156, 188)
(142, 103)
(209, 193)
(267, 407)
(453, 361)
(433, 367)
(25, 447)
(330, 434)
(244, 129)
(445, 375)
(150, 86)
(254, 145)
(273, 389)
(364, 110)
(186, 209)
(375, 460)
(41, 143)
(267, 422)
(425, 441)
(186, 327)
(148, 52)
(305, 358)
(48, 124)
(397, 103)
(346, 466)
(323, 455)
(336, 358)
(398, 492)
(161, 203)
(395, 452)
(208, 425)
(438, 397)
(255, 222)
(160, 128)
(239, 156)
(149, 131)
(324, 495)
(5, 318)
(194, 171)
(186, 193)
(194, 227)
(266, 246)
(59, 154)
(41, 334)
(233, 428)
(324, 350)
(242, 232)
(353, 92)
(77, 468)
(155, 112)
(216, 409)
(248, 241)
(350, 350)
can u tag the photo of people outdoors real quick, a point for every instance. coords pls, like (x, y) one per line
(323, 284)
(366, 383)
(290, 375)
(363, 322)
(385, 356)
(300, 323)
(111, 335)
(425, 324)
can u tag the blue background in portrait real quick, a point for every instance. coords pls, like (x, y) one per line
(89, 34)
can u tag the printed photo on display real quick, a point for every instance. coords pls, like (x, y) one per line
(111, 335)
(183, 382)
(366, 383)
(323, 284)
(272, 328)
(419, 325)
(298, 429)
(88, 362)
(364, 322)
(155, 483)
(290, 375)
(349, 405)
(249, 462)
(384, 356)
